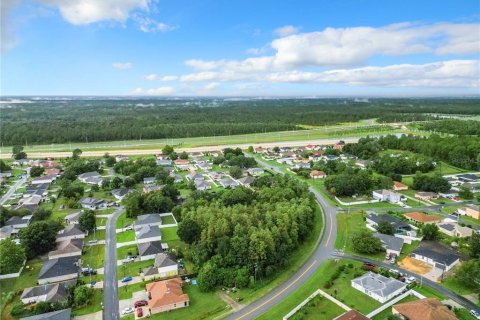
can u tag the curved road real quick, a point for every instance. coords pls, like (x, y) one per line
(110, 283)
(321, 254)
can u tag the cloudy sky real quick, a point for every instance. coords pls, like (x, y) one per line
(240, 47)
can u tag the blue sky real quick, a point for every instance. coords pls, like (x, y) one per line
(240, 48)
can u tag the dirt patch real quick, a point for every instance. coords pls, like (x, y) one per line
(416, 266)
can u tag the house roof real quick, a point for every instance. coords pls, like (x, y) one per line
(397, 184)
(59, 267)
(352, 315)
(425, 194)
(390, 242)
(397, 223)
(150, 271)
(89, 175)
(437, 252)
(64, 314)
(317, 173)
(468, 176)
(246, 180)
(425, 309)
(149, 248)
(422, 217)
(147, 232)
(164, 260)
(7, 231)
(150, 218)
(378, 284)
(165, 293)
(73, 216)
(55, 292)
(68, 246)
(121, 192)
(91, 201)
(17, 220)
(69, 231)
(228, 182)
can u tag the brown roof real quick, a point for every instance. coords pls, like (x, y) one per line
(317, 173)
(422, 217)
(352, 315)
(399, 184)
(425, 309)
(166, 292)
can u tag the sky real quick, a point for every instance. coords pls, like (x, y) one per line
(240, 47)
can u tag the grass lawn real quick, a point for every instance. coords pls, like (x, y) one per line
(101, 222)
(105, 195)
(463, 314)
(203, 305)
(387, 312)
(408, 248)
(126, 292)
(93, 306)
(123, 221)
(318, 308)
(133, 268)
(452, 283)
(105, 211)
(429, 292)
(168, 220)
(28, 278)
(98, 235)
(169, 234)
(345, 293)
(126, 236)
(93, 256)
(124, 251)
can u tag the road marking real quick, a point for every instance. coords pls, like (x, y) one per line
(330, 231)
(279, 293)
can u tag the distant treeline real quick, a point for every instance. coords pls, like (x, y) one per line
(454, 126)
(42, 122)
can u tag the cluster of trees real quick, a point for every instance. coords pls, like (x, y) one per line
(109, 120)
(137, 203)
(4, 166)
(138, 169)
(435, 183)
(12, 256)
(238, 234)
(469, 272)
(36, 171)
(396, 166)
(39, 237)
(364, 242)
(453, 126)
(235, 158)
(18, 153)
(354, 181)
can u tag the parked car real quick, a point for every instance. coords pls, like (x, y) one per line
(475, 314)
(130, 259)
(139, 312)
(89, 272)
(140, 303)
(130, 227)
(92, 241)
(127, 310)
(410, 280)
(127, 279)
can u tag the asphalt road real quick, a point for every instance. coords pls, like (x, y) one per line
(110, 283)
(455, 297)
(13, 188)
(321, 254)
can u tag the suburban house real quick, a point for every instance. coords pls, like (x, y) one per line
(70, 232)
(148, 250)
(164, 162)
(450, 194)
(228, 183)
(93, 204)
(424, 309)
(473, 211)
(119, 194)
(374, 219)
(194, 176)
(398, 186)
(121, 157)
(453, 229)
(205, 166)
(363, 163)
(378, 287)
(421, 217)
(176, 177)
(8, 232)
(201, 185)
(181, 164)
(44, 179)
(215, 175)
(72, 218)
(30, 203)
(150, 220)
(436, 255)
(316, 174)
(149, 181)
(20, 162)
(392, 245)
(351, 315)
(468, 177)
(148, 234)
(55, 292)
(19, 222)
(255, 171)
(166, 295)
(167, 266)
(65, 314)
(386, 195)
(37, 190)
(425, 196)
(151, 188)
(246, 181)
(67, 248)
(59, 270)
(91, 178)
(52, 171)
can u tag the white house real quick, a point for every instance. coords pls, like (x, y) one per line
(72, 231)
(93, 204)
(167, 266)
(378, 287)
(437, 255)
(386, 195)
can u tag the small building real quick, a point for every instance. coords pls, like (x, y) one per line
(215, 175)
(437, 255)
(70, 232)
(202, 185)
(149, 181)
(386, 195)
(151, 188)
(422, 218)
(205, 166)
(398, 186)
(426, 196)
(194, 176)
(93, 203)
(164, 162)
(148, 250)
(167, 265)
(55, 292)
(150, 220)
(119, 194)
(473, 211)
(121, 157)
(59, 270)
(351, 315)
(65, 314)
(67, 248)
(374, 219)
(450, 194)
(8, 232)
(392, 245)
(44, 179)
(453, 229)
(91, 178)
(72, 218)
(255, 171)
(424, 309)
(228, 183)
(468, 177)
(363, 163)
(246, 181)
(378, 287)
(148, 234)
(176, 177)
(166, 295)
(317, 174)
(19, 222)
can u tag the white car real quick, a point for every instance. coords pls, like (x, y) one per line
(130, 227)
(128, 310)
(475, 314)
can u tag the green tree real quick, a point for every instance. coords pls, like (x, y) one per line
(167, 150)
(385, 227)
(250, 149)
(173, 156)
(12, 256)
(76, 153)
(474, 245)
(469, 275)
(36, 171)
(4, 167)
(365, 242)
(41, 214)
(39, 237)
(184, 155)
(430, 232)
(465, 193)
(235, 172)
(189, 231)
(110, 161)
(82, 295)
(87, 221)
(116, 183)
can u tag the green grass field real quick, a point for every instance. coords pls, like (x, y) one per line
(93, 256)
(133, 268)
(124, 251)
(169, 234)
(123, 221)
(318, 308)
(126, 236)
(93, 306)
(168, 220)
(98, 235)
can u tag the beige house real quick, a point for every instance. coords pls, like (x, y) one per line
(316, 174)
(166, 295)
(473, 211)
(426, 195)
(453, 229)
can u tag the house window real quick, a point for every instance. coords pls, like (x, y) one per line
(174, 305)
(185, 304)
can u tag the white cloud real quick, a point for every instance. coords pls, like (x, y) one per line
(90, 11)
(286, 31)
(156, 77)
(8, 40)
(122, 65)
(211, 86)
(151, 77)
(161, 91)
(146, 24)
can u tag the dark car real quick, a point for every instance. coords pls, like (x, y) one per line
(139, 312)
(140, 303)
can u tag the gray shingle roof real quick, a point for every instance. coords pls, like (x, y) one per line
(390, 242)
(64, 314)
(59, 267)
(147, 232)
(70, 230)
(164, 260)
(146, 219)
(379, 284)
(55, 292)
(148, 248)
(437, 252)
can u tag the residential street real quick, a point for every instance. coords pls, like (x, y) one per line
(13, 188)
(110, 285)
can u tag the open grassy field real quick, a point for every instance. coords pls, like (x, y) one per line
(123, 221)
(169, 234)
(93, 256)
(133, 268)
(124, 251)
(126, 236)
(318, 308)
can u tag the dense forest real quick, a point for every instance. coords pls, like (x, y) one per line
(239, 234)
(453, 126)
(102, 119)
